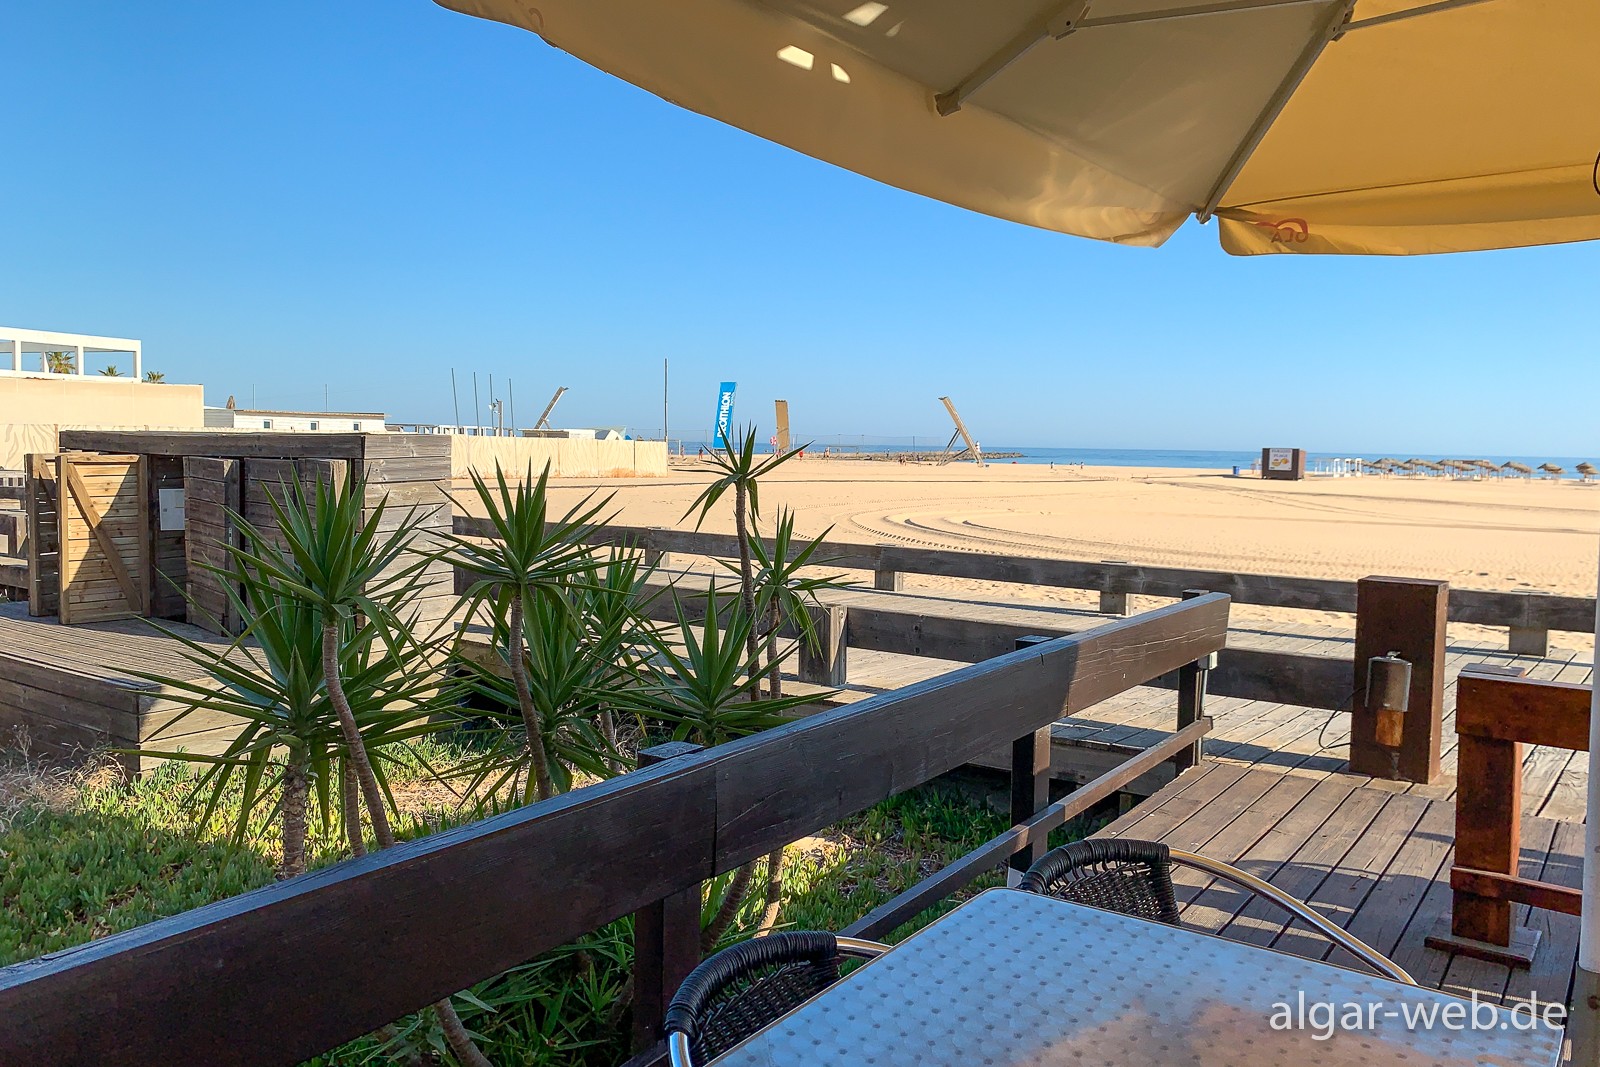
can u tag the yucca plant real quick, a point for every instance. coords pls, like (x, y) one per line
(290, 749)
(335, 555)
(529, 556)
(709, 692)
(741, 471)
(783, 596)
(579, 650)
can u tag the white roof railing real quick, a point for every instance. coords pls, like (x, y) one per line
(19, 341)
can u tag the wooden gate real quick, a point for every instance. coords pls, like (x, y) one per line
(104, 534)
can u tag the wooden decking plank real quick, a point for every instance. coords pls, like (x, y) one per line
(1186, 795)
(1383, 918)
(1549, 977)
(1352, 880)
(1316, 845)
(1208, 904)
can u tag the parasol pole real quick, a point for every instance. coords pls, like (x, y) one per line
(1584, 1022)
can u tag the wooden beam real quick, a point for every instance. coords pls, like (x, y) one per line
(1494, 885)
(234, 444)
(1404, 616)
(1523, 709)
(959, 873)
(1524, 610)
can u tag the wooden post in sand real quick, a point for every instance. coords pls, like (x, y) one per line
(1405, 617)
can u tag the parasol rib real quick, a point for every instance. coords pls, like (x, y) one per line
(1331, 29)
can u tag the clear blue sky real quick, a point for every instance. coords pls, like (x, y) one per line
(364, 194)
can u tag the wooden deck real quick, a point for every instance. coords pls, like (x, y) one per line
(1372, 858)
(66, 690)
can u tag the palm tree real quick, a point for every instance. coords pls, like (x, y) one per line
(110, 371)
(60, 362)
(154, 377)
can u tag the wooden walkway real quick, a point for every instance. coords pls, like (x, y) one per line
(1372, 858)
(1274, 797)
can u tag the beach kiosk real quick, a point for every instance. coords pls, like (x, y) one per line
(1283, 464)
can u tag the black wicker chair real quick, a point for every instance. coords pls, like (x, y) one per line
(1135, 878)
(743, 988)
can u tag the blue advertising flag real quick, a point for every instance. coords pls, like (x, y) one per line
(724, 415)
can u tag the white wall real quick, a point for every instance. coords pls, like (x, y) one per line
(568, 457)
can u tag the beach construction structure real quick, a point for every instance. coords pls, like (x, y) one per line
(971, 451)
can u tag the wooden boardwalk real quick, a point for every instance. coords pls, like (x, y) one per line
(1274, 796)
(1372, 858)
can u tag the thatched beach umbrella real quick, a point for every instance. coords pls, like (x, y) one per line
(1302, 126)
(1552, 469)
(1519, 468)
(1586, 470)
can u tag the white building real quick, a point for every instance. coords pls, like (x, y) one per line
(301, 421)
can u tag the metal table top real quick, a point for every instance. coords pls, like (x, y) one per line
(1011, 979)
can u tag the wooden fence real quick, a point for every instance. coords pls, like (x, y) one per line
(279, 974)
(1528, 616)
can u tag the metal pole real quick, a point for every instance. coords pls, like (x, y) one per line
(511, 396)
(1583, 1025)
(455, 401)
(664, 435)
(477, 415)
(492, 408)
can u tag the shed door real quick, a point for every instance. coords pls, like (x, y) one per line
(104, 536)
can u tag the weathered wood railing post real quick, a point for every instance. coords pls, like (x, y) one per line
(1528, 635)
(1192, 679)
(655, 558)
(666, 935)
(884, 576)
(1030, 782)
(824, 662)
(1404, 616)
(1112, 603)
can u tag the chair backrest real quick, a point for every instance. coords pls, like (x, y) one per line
(743, 988)
(1131, 877)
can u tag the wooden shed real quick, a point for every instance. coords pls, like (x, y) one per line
(119, 523)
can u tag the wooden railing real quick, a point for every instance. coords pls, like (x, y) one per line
(1528, 616)
(279, 974)
(1497, 712)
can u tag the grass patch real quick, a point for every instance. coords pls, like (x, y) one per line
(87, 855)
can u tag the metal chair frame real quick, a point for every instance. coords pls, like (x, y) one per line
(1041, 879)
(716, 973)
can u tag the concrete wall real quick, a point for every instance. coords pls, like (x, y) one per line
(70, 400)
(570, 458)
(33, 409)
(36, 408)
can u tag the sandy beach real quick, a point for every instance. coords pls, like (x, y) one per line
(1492, 534)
